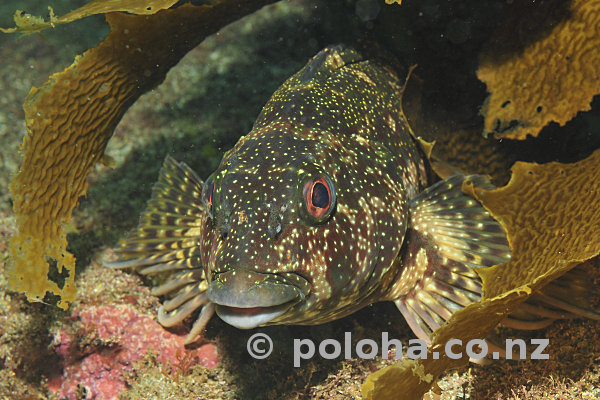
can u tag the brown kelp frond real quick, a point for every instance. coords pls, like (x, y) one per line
(551, 79)
(27, 23)
(66, 138)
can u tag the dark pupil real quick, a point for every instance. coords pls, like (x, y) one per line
(320, 196)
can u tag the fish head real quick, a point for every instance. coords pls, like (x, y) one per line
(298, 229)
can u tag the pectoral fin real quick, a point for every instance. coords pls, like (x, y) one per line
(449, 235)
(569, 297)
(167, 241)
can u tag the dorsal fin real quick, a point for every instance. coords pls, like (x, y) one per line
(325, 62)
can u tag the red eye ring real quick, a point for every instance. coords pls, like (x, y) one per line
(319, 198)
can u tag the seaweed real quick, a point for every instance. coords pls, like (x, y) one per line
(550, 76)
(70, 120)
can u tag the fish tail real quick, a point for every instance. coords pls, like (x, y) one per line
(166, 240)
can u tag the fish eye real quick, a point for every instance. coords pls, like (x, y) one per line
(319, 198)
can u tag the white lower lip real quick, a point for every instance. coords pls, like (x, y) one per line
(248, 320)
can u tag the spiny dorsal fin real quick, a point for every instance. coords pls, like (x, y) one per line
(322, 65)
(167, 240)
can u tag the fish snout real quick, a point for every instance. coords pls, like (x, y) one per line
(246, 299)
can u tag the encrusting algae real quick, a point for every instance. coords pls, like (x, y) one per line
(550, 211)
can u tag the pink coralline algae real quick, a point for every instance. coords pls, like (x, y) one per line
(127, 336)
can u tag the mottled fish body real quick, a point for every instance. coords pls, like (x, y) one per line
(326, 206)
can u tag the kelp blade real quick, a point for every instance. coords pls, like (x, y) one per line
(70, 119)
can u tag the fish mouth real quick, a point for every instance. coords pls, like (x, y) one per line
(246, 299)
(251, 317)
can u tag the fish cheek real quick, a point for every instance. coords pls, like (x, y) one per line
(379, 231)
(347, 250)
(340, 272)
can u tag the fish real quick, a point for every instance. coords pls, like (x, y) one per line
(329, 204)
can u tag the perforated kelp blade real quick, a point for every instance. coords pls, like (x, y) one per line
(167, 240)
(551, 79)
